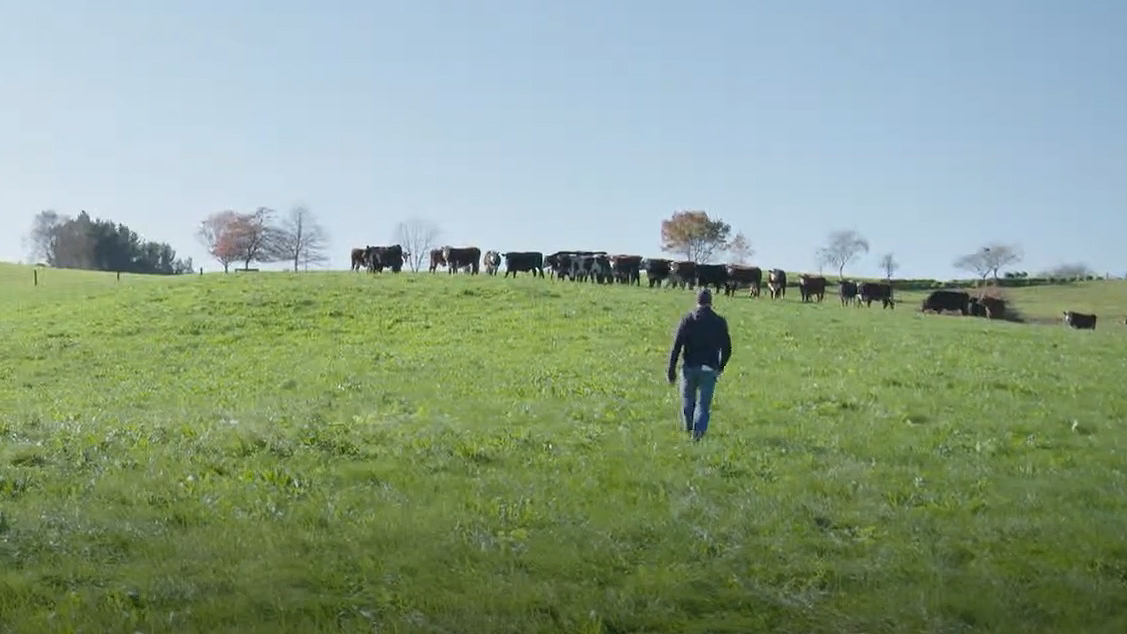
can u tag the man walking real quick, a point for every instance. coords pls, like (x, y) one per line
(703, 336)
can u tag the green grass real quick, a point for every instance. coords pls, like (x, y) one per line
(351, 452)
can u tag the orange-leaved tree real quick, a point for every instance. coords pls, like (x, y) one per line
(695, 235)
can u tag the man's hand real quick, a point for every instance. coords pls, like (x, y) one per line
(671, 375)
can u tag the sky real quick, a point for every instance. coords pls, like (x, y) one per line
(932, 128)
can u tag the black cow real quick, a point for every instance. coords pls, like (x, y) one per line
(462, 257)
(712, 275)
(516, 261)
(492, 262)
(871, 291)
(1080, 320)
(389, 257)
(657, 270)
(810, 286)
(848, 292)
(436, 259)
(739, 276)
(626, 269)
(359, 258)
(683, 273)
(777, 283)
(942, 300)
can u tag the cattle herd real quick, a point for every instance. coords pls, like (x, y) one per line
(601, 268)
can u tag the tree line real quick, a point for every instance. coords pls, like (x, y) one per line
(83, 242)
(261, 236)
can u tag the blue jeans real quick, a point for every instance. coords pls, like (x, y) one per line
(694, 380)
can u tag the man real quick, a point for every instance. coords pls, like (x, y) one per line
(703, 336)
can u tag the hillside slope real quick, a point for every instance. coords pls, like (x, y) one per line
(294, 453)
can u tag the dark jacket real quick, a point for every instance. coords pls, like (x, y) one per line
(703, 335)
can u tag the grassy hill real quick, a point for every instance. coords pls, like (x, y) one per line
(332, 451)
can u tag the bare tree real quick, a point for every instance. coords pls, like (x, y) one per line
(300, 239)
(417, 236)
(989, 259)
(740, 249)
(842, 248)
(889, 265)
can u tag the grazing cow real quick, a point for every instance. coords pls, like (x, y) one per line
(739, 276)
(777, 283)
(626, 269)
(436, 259)
(492, 262)
(810, 286)
(462, 257)
(683, 273)
(1080, 320)
(942, 300)
(359, 258)
(871, 291)
(516, 261)
(712, 275)
(657, 270)
(848, 292)
(390, 257)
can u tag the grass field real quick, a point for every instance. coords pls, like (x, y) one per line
(331, 452)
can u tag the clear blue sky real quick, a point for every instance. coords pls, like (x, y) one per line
(930, 127)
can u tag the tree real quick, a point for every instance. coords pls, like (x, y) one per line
(1070, 271)
(843, 247)
(694, 234)
(740, 249)
(256, 237)
(216, 233)
(40, 241)
(101, 245)
(989, 259)
(417, 236)
(301, 239)
(889, 265)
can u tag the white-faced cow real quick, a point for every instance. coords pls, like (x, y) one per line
(492, 262)
(777, 283)
(1081, 321)
(462, 258)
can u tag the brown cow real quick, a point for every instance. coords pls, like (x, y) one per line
(777, 283)
(811, 285)
(626, 269)
(868, 292)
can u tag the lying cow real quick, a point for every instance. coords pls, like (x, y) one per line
(1080, 320)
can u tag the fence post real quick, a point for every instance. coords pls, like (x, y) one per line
(119, 276)
(35, 277)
